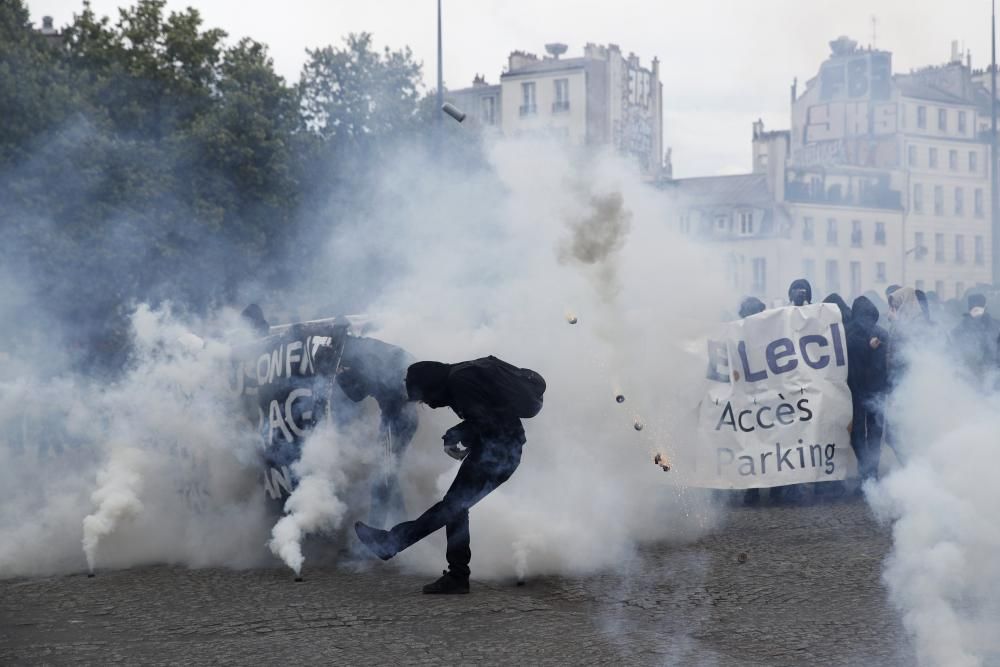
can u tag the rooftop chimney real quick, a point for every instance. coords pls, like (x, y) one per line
(47, 26)
(555, 49)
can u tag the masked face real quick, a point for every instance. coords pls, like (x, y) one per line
(978, 311)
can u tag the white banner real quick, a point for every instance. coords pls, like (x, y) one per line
(777, 407)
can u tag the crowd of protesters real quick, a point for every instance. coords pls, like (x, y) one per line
(881, 337)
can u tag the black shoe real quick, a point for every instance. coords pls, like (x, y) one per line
(448, 584)
(376, 540)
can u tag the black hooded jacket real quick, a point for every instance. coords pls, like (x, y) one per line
(479, 392)
(975, 340)
(866, 366)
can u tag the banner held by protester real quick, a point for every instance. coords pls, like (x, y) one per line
(777, 407)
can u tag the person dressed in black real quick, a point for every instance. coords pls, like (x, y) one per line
(254, 317)
(751, 306)
(490, 396)
(838, 301)
(370, 367)
(867, 379)
(800, 292)
(975, 339)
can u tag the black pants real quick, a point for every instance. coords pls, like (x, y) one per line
(487, 466)
(866, 437)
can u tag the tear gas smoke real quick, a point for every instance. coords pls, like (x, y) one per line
(153, 467)
(167, 468)
(545, 228)
(315, 506)
(943, 573)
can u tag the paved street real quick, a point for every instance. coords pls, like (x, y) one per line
(809, 592)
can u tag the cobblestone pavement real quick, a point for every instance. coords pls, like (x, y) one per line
(808, 592)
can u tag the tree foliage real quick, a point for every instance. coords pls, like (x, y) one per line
(144, 157)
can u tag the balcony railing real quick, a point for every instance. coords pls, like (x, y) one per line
(529, 109)
(559, 106)
(806, 193)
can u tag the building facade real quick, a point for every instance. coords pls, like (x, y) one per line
(883, 178)
(602, 98)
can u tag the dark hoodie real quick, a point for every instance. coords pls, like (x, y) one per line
(837, 300)
(866, 366)
(482, 392)
(974, 337)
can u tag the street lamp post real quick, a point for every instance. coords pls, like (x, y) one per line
(440, 77)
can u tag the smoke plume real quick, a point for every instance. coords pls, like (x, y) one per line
(943, 573)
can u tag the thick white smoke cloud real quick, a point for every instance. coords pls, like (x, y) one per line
(155, 467)
(943, 573)
(490, 264)
(162, 468)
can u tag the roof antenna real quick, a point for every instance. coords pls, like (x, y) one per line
(874, 31)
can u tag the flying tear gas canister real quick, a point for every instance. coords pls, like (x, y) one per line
(662, 461)
(571, 317)
(453, 111)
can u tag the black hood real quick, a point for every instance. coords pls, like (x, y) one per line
(800, 292)
(751, 306)
(427, 381)
(864, 311)
(845, 310)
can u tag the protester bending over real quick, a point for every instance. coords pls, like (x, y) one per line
(370, 367)
(490, 396)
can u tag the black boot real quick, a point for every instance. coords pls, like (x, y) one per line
(448, 584)
(376, 540)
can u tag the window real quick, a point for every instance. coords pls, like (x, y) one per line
(953, 160)
(809, 270)
(720, 222)
(961, 122)
(919, 249)
(979, 250)
(938, 200)
(978, 202)
(973, 161)
(759, 265)
(746, 223)
(488, 110)
(855, 233)
(932, 158)
(528, 105)
(832, 276)
(562, 95)
(855, 278)
(938, 287)
(959, 290)
(911, 156)
(943, 120)
(959, 202)
(880, 272)
(922, 118)
(939, 247)
(831, 232)
(879, 233)
(918, 198)
(959, 249)
(808, 231)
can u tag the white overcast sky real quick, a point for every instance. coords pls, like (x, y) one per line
(724, 63)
